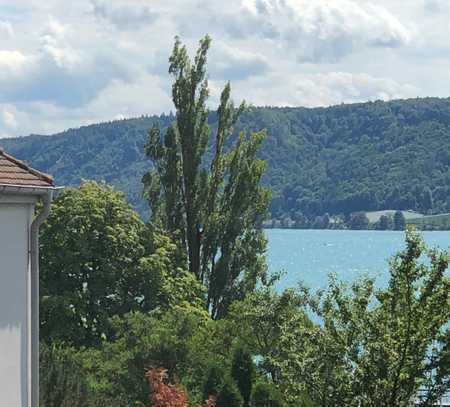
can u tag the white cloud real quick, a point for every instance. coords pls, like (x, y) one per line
(435, 6)
(9, 119)
(55, 46)
(64, 64)
(12, 61)
(324, 89)
(338, 87)
(118, 100)
(324, 30)
(236, 64)
(147, 94)
(63, 67)
(6, 29)
(129, 14)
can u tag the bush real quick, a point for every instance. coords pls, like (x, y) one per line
(229, 395)
(214, 381)
(62, 382)
(266, 395)
(164, 394)
(243, 372)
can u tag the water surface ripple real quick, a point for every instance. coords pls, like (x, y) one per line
(311, 255)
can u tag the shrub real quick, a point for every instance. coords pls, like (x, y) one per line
(164, 394)
(229, 395)
(266, 395)
(214, 381)
(243, 372)
(62, 382)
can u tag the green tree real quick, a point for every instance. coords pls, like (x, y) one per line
(375, 347)
(214, 381)
(322, 168)
(162, 339)
(260, 320)
(243, 372)
(99, 260)
(385, 223)
(265, 394)
(229, 395)
(359, 221)
(399, 221)
(426, 199)
(211, 199)
(437, 384)
(62, 380)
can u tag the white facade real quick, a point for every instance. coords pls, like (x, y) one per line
(16, 216)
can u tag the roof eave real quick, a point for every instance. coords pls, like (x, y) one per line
(26, 189)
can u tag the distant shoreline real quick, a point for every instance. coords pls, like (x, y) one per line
(389, 219)
(351, 230)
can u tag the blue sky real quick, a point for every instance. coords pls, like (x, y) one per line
(70, 63)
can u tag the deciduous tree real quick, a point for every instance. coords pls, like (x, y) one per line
(376, 347)
(205, 192)
(99, 260)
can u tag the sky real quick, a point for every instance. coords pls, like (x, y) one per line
(65, 64)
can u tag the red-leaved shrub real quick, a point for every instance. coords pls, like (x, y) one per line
(164, 394)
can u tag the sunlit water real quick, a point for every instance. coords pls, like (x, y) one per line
(311, 255)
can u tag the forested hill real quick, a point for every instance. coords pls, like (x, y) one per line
(341, 159)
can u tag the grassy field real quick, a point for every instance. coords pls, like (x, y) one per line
(431, 222)
(420, 221)
(376, 215)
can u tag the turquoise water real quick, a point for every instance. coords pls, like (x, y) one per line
(311, 255)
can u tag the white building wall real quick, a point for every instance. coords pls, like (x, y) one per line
(15, 220)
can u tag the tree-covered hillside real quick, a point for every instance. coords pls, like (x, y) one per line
(336, 160)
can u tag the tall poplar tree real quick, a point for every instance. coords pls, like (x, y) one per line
(204, 193)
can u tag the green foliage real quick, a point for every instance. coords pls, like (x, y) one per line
(91, 244)
(399, 221)
(178, 340)
(127, 297)
(371, 346)
(385, 223)
(358, 221)
(341, 159)
(99, 260)
(437, 384)
(62, 383)
(243, 372)
(215, 205)
(214, 380)
(261, 320)
(374, 347)
(172, 285)
(229, 395)
(265, 394)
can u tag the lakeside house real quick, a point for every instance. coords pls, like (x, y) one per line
(21, 188)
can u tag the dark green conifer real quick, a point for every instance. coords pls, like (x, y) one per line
(243, 372)
(229, 395)
(399, 221)
(266, 395)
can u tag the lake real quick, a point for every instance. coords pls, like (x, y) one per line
(311, 255)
